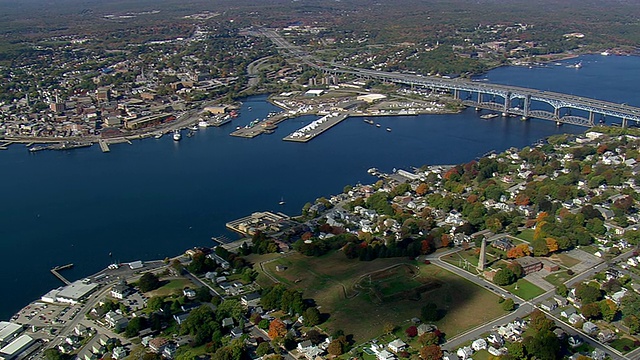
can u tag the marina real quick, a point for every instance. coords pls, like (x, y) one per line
(316, 128)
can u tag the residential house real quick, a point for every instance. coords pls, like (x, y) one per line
(169, 351)
(548, 305)
(426, 328)
(180, 318)
(158, 344)
(189, 293)
(575, 318)
(464, 353)
(236, 332)
(119, 353)
(561, 301)
(381, 353)
(606, 335)
(397, 345)
(81, 330)
(598, 354)
(116, 321)
(495, 340)
(574, 341)
(589, 327)
(495, 352)
(252, 299)
(479, 344)
(227, 322)
(120, 290)
(565, 313)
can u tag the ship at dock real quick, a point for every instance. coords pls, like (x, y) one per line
(176, 135)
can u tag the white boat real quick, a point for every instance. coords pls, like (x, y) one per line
(158, 135)
(282, 202)
(176, 135)
(389, 129)
(203, 124)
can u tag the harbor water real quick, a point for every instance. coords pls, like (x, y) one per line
(158, 197)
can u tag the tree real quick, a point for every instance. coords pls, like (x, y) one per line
(562, 290)
(431, 352)
(591, 311)
(588, 293)
(429, 312)
(412, 331)
(519, 251)
(608, 309)
(422, 189)
(504, 277)
(508, 305)
(148, 282)
(429, 338)
(539, 322)
(552, 244)
(311, 317)
(277, 329)
(338, 345)
(388, 328)
(135, 325)
(53, 354)
(155, 303)
(516, 269)
(263, 349)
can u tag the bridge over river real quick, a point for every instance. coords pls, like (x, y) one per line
(508, 100)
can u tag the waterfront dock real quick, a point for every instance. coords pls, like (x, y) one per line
(316, 128)
(104, 146)
(260, 127)
(5, 145)
(55, 272)
(248, 225)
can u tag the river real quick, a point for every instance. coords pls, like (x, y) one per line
(157, 197)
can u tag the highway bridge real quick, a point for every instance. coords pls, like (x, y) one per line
(508, 100)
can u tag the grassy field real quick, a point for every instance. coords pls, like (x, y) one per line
(526, 235)
(558, 277)
(566, 260)
(172, 287)
(525, 290)
(382, 291)
(623, 345)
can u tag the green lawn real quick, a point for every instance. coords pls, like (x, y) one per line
(558, 277)
(172, 287)
(525, 289)
(526, 235)
(623, 345)
(567, 260)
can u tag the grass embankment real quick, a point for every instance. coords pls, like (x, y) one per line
(362, 296)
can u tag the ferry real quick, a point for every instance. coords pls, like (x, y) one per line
(488, 116)
(176, 135)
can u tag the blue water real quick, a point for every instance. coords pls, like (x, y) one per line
(157, 197)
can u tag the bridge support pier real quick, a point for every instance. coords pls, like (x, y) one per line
(591, 117)
(456, 94)
(507, 105)
(624, 122)
(525, 107)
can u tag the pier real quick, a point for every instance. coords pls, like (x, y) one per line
(316, 128)
(104, 146)
(4, 146)
(55, 272)
(261, 127)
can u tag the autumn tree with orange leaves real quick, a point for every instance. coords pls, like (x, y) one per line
(277, 329)
(552, 244)
(518, 251)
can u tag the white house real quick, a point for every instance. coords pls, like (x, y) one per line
(397, 345)
(465, 352)
(479, 344)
